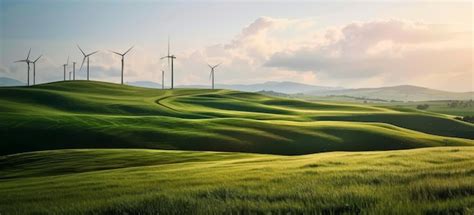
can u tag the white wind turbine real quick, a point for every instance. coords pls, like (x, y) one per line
(170, 57)
(27, 61)
(122, 55)
(211, 75)
(34, 69)
(86, 56)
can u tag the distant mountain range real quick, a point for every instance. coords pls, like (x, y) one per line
(8, 82)
(147, 84)
(282, 87)
(398, 93)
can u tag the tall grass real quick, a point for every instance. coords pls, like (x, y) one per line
(422, 181)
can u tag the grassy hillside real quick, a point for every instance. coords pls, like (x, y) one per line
(463, 107)
(81, 114)
(398, 93)
(437, 107)
(125, 181)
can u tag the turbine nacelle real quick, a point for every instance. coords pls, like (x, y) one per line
(169, 56)
(213, 67)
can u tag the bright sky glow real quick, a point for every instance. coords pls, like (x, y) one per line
(342, 43)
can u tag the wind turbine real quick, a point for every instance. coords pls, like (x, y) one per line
(27, 61)
(172, 57)
(84, 59)
(34, 69)
(211, 75)
(123, 55)
(64, 66)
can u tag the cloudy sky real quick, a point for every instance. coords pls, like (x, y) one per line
(329, 43)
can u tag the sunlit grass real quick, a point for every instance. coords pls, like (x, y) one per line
(422, 181)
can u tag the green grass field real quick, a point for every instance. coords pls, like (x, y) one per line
(435, 180)
(81, 147)
(437, 107)
(441, 107)
(81, 114)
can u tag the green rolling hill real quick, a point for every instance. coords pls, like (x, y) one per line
(81, 114)
(434, 180)
(83, 147)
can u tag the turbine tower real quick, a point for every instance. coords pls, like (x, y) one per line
(64, 66)
(84, 59)
(211, 75)
(123, 55)
(34, 69)
(27, 61)
(170, 57)
(74, 71)
(162, 79)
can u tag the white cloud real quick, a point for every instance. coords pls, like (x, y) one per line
(359, 54)
(387, 51)
(243, 57)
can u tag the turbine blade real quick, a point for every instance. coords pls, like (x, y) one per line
(209, 66)
(81, 50)
(116, 53)
(164, 58)
(20, 61)
(37, 59)
(92, 53)
(217, 65)
(210, 75)
(128, 50)
(28, 57)
(82, 64)
(169, 63)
